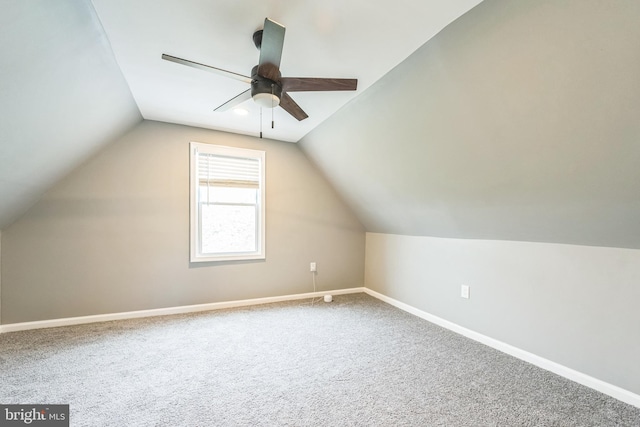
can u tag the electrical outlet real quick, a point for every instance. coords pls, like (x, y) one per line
(312, 267)
(464, 291)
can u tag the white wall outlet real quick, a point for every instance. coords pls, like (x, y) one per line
(464, 291)
(312, 267)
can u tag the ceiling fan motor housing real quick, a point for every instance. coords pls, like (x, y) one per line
(265, 92)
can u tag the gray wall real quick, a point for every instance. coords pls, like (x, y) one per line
(0, 275)
(519, 121)
(573, 305)
(113, 236)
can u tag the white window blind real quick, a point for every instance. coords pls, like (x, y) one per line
(231, 171)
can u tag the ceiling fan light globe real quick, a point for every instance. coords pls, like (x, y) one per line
(266, 100)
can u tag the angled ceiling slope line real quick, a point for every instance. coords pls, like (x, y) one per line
(66, 98)
(519, 121)
(332, 38)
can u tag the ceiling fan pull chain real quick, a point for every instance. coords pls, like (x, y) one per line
(272, 107)
(260, 122)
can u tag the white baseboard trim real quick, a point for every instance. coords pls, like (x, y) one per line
(571, 374)
(14, 327)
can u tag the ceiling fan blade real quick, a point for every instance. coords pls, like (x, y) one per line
(304, 84)
(271, 48)
(209, 68)
(290, 106)
(239, 99)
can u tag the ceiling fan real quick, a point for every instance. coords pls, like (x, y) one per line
(268, 88)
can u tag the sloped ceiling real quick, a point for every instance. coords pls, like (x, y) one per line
(62, 96)
(519, 121)
(75, 79)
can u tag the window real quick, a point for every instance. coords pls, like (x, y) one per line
(227, 203)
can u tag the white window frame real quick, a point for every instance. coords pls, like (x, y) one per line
(194, 223)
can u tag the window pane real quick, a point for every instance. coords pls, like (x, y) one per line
(210, 194)
(228, 229)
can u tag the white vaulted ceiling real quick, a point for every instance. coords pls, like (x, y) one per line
(331, 38)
